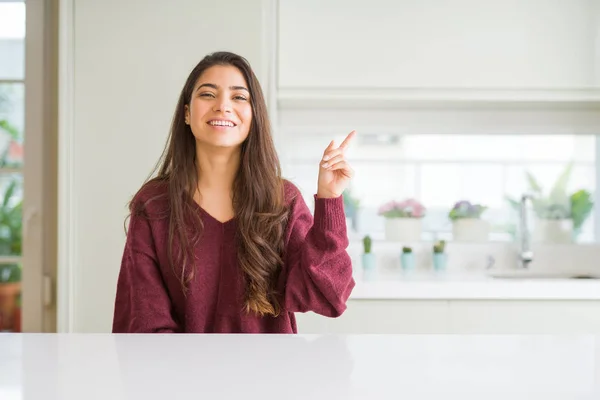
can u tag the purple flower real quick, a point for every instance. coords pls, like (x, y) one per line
(465, 209)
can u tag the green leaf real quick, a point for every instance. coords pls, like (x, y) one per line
(513, 203)
(10, 273)
(11, 222)
(9, 193)
(581, 207)
(558, 194)
(10, 129)
(557, 204)
(533, 183)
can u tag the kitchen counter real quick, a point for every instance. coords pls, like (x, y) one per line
(104, 366)
(440, 286)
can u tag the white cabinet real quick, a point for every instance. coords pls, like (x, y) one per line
(432, 50)
(524, 317)
(381, 316)
(459, 316)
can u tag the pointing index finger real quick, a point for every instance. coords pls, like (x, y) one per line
(347, 141)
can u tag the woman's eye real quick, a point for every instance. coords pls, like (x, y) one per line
(242, 98)
(207, 94)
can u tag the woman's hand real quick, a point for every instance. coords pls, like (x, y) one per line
(334, 170)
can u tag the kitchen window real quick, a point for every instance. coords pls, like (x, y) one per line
(12, 123)
(440, 170)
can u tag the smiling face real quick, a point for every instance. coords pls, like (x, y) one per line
(219, 113)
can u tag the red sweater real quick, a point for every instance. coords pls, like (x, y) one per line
(316, 276)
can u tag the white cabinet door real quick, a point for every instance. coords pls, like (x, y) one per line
(458, 316)
(381, 316)
(469, 44)
(524, 317)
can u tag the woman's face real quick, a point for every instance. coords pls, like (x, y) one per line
(219, 112)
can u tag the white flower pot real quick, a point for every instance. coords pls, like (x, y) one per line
(470, 230)
(553, 230)
(403, 229)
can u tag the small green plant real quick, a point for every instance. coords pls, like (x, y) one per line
(554, 205)
(558, 204)
(439, 246)
(367, 242)
(406, 249)
(11, 221)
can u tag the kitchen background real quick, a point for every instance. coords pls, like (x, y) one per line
(454, 102)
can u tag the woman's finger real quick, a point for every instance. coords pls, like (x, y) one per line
(332, 161)
(342, 166)
(347, 141)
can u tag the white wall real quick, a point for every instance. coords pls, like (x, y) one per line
(131, 59)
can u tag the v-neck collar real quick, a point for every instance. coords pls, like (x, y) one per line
(213, 219)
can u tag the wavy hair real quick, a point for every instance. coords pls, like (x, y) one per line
(258, 195)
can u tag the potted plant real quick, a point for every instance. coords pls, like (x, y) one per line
(559, 215)
(439, 255)
(407, 258)
(403, 220)
(467, 224)
(10, 245)
(10, 289)
(368, 258)
(17, 316)
(11, 221)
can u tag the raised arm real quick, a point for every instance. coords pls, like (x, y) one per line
(318, 271)
(318, 267)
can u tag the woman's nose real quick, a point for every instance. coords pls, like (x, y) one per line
(222, 104)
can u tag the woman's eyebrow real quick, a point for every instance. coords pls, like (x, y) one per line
(213, 86)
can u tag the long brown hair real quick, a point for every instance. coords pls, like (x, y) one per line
(258, 194)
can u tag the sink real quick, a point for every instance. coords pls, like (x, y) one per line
(541, 274)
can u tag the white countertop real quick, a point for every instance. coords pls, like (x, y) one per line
(148, 367)
(449, 286)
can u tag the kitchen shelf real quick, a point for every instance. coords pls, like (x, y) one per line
(484, 98)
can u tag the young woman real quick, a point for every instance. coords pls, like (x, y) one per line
(218, 241)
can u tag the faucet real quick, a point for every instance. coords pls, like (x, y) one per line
(525, 252)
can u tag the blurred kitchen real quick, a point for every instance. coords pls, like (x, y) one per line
(473, 205)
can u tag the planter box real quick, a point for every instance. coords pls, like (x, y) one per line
(403, 229)
(8, 304)
(407, 261)
(369, 261)
(470, 230)
(553, 230)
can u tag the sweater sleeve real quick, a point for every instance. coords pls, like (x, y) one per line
(142, 304)
(318, 267)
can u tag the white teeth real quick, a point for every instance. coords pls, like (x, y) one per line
(221, 123)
